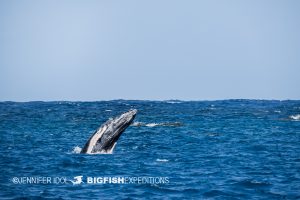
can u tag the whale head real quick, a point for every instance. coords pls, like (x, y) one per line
(105, 137)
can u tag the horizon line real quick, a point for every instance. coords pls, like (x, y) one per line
(162, 100)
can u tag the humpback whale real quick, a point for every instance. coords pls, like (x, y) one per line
(105, 137)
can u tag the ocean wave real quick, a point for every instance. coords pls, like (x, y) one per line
(157, 124)
(235, 141)
(295, 117)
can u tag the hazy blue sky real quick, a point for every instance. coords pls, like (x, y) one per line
(158, 49)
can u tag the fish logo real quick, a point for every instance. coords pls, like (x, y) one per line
(77, 180)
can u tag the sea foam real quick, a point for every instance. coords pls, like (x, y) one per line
(157, 124)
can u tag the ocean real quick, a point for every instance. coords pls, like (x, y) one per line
(227, 149)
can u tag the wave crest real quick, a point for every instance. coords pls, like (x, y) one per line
(295, 117)
(162, 160)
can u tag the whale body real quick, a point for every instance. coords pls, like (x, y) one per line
(105, 137)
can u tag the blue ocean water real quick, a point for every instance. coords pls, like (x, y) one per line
(233, 149)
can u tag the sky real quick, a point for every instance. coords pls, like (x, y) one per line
(90, 50)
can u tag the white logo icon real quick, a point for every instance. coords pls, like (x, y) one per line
(77, 180)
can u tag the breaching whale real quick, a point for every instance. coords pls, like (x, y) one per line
(105, 137)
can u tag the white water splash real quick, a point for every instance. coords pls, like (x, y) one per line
(76, 150)
(295, 117)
